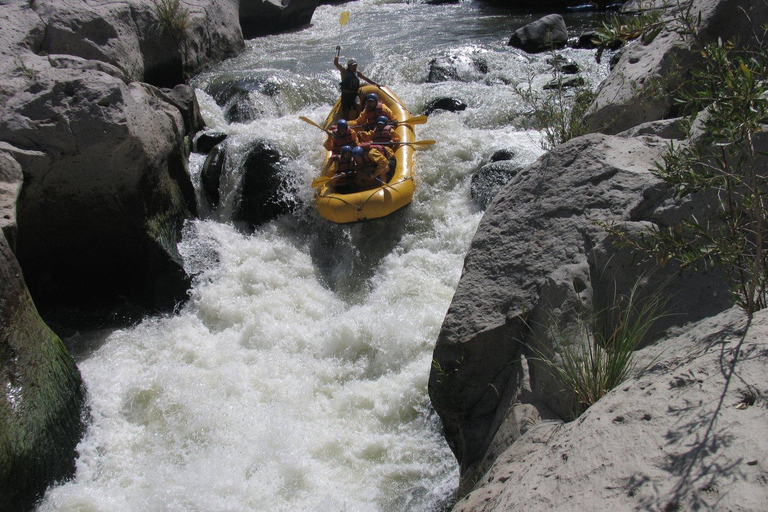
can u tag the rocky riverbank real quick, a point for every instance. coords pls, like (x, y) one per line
(96, 124)
(681, 436)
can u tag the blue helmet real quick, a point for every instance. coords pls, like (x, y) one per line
(342, 124)
(373, 96)
(346, 149)
(382, 120)
(357, 151)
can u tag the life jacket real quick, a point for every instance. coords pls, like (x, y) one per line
(384, 135)
(345, 167)
(348, 139)
(350, 83)
(372, 115)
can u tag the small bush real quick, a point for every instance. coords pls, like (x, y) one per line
(172, 18)
(602, 354)
(557, 112)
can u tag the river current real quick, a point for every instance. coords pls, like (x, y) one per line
(295, 377)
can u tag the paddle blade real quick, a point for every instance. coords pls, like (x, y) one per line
(308, 120)
(319, 182)
(423, 142)
(344, 18)
(415, 120)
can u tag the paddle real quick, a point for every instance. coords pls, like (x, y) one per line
(414, 120)
(307, 120)
(322, 180)
(414, 143)
(343, 19)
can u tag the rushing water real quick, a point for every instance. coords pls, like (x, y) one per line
(295, 378)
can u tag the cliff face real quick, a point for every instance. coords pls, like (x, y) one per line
(540, 259)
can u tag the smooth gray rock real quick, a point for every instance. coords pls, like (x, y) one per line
(536, 256)
(541, 35)
(128, 35)
(688, 434)
(10, 185)
(646, 80)
(106, 188)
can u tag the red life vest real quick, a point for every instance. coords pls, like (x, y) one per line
(372, 115)
(384, 135)
(348, 139)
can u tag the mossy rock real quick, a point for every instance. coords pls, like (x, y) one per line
(41, 409)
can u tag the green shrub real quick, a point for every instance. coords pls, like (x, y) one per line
(557, 112)
(172, 18)
(599, 354)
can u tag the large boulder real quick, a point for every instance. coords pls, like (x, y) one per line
(10, 185)
(689, 434)
(541, 35)
(41, 406)
(648, 76)
(106, 188)
(266, 190)
(537, 256)
(131, 36)
(260, 17)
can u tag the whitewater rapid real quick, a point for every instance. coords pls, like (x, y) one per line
(295, 377)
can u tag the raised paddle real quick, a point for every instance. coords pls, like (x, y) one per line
(343, 19)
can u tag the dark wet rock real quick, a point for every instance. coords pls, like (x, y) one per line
(266, 191)
(206, 141)
(41, 407)
(563, 65)
(503, 154)
(541, 35)
(565, 83)
(448, 104)
(210, 176)
(465, 68)
(261, 17)
(490, 179)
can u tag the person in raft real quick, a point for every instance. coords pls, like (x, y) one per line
(383, 137)
(373, 110)
(350, 84)
(342, 170)
(339, 136)
(371, 168)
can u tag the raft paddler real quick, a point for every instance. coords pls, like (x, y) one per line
(342, 170)
(382, 136)
(350, 84)
(340, 135)
(371, 168)
(373, 110)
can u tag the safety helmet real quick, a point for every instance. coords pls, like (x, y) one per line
(342, 124)
(351, 62)
(357, 151)
(382, 120)
(373, 96)
(346, 149)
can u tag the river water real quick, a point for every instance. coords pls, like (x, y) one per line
(295, 378)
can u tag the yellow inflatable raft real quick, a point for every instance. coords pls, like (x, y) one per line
(383, 200)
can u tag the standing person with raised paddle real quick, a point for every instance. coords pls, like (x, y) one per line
(350, 84)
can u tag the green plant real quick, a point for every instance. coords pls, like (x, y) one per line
(599, 354)
(558, 112)
(172, 18)
(726, 102)
(618, 30)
